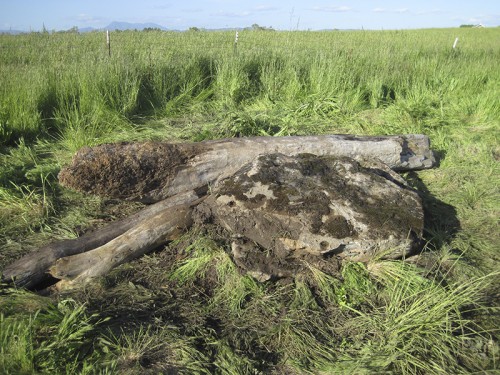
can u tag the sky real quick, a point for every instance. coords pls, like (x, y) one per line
(33, 15)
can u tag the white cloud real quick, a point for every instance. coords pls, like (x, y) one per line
(432, 11)
(162, 6)
(264, 8)
(383, 10)
(231, 14)
(474, 20)
(193, 10)
(483, 19)
(83, 17)
(341, 8)
(88, 19)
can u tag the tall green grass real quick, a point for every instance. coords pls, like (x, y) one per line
(39, 337)
(60, 92)
(61, 84)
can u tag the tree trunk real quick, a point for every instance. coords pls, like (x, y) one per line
(33, 268)
(149, 234)
(150, 172)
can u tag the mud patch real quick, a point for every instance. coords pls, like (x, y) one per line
(286, 212)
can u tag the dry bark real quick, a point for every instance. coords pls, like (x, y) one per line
(33, 268)
(150, 172)
(149, 234)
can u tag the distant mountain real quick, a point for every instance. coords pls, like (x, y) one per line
(117, 25)
(132, 26)
(12, 32)
(113, 26)
(86, 29)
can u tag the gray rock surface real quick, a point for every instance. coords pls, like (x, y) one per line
(285, 212)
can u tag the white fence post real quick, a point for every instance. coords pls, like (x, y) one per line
(108, 42)
(236, 43)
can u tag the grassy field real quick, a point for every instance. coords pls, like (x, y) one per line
(186, 308)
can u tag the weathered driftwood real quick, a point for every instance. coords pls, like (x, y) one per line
(149, 234)
(151, 172)
(175, 176)
(33, 268)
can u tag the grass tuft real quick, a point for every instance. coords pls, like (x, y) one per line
(56, 339)
(419, 325)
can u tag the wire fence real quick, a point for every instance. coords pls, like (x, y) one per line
(45, 48)
(140, 43)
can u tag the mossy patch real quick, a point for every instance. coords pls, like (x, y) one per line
(283, 210)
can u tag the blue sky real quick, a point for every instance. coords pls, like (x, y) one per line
(280, 14)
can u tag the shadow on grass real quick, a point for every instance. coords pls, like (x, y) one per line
(441, 223)
(136, 297)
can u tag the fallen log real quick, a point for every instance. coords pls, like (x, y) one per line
(146, 236)
(150, 172)
(176, 176)
(33, 268)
